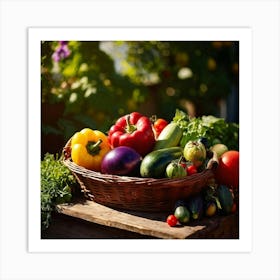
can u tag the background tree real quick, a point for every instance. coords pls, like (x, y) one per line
(91, 84)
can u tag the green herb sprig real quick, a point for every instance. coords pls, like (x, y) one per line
(57, 185)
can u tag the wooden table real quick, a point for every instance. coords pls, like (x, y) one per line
(87, 219)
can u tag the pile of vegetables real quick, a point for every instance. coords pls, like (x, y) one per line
(139, 146)
(214, 200)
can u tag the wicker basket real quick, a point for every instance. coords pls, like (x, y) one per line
(134, 193)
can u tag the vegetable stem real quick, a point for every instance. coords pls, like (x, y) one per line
(130, 128)
(93, 148)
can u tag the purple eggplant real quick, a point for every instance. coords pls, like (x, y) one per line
(121, 160)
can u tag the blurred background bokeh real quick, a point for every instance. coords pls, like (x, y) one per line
(91, 84)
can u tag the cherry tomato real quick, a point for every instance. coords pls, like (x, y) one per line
(191, 169)
(171, 220)
(159, 125)
(184, 165)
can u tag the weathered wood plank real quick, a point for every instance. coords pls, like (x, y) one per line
(143, 223)
(68, 227)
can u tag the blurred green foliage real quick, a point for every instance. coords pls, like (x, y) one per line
(100, 81)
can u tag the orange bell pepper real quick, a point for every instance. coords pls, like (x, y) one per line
(88, 148)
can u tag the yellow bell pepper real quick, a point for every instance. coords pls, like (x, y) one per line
(88, 148)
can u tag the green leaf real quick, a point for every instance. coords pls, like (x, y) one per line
(56, 182)
(210, 127)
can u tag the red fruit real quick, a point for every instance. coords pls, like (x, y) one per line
(158, 126)
(227, 172)
(191, 169)
(184, 164)
(171, 220)
(133, 130)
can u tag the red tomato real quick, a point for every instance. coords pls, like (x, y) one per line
(159, 125)
(227, 172)
(191, 169)
(171, 220)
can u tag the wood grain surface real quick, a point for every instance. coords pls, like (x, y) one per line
(150, 224)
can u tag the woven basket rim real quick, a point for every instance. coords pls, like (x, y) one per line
(137, 193)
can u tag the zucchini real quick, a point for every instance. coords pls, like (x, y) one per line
(226, 199)
(154, 164)
(169, 137)
(195, 205)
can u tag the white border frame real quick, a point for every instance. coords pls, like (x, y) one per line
(262, 16)
(243, 35)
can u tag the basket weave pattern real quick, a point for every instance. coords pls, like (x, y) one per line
(135, 193)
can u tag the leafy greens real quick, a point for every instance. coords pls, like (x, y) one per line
(57, 183)
(215, 130)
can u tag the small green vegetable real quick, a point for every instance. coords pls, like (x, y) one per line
(175, 170)
(226, 198)
(195, 206)
(182, 214)
(57, 183)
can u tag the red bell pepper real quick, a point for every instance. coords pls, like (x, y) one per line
(133, 130)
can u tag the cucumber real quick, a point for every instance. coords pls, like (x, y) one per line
(169, 137)
(225, 197)
(154, 164)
